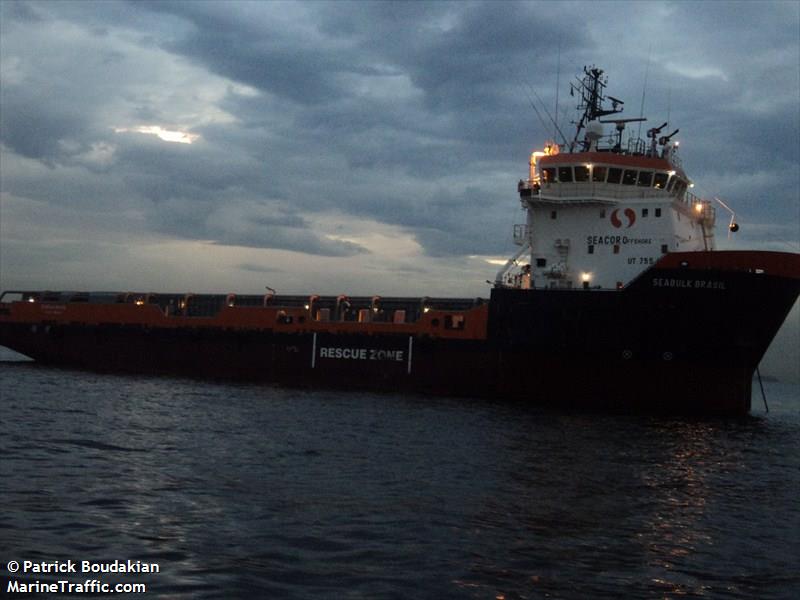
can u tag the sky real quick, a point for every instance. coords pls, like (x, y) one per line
(361, 148)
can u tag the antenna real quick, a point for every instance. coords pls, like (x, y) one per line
(644, 89)
(533, 105)
(558, 75)
(669, 101)
(591, 90)
(552, 120)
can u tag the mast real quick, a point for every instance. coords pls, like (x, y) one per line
(591, 90)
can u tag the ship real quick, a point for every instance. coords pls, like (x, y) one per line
(616, 300)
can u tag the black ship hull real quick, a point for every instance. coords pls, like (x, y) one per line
(676, 340)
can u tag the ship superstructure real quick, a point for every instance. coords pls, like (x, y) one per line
(603, 208)
(624, 305)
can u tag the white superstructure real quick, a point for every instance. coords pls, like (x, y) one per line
(598, 212)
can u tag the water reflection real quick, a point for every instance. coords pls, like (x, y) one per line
(246, 491)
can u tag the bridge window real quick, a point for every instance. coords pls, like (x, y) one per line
(658, 212)
(565, 174)
(549, 174)
(645, 212)
(645, 178)
(629, 177)
(581, 173)
(599, 174)
(614, 175)
(671, 183)
(660, 181)
(541, 262)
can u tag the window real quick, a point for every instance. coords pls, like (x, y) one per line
(664, 249)
(590, 249)
(581, 173)
(565, 174)
(660, 181)
(599, 174)
(616, 248)
(614, 175)
(553, 214)
(541, 262)
(454, 322)
(671, 183)
(629, 177)
(645, 178)
(658, 212)
(549, 174)
(603, 213)
(645, 212)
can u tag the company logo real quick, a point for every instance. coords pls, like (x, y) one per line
(630, 215)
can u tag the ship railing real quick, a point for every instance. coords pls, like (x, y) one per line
(597, 191)
(637, 146)
(361, 309)
(57, 297)
(521, 234)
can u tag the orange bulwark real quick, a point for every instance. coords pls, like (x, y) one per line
(453, 318)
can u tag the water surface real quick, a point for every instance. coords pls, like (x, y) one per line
(242, 491)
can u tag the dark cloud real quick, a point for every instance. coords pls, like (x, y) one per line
(32, 126)
(259, 268)
(415, 116)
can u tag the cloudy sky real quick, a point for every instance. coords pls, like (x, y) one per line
(359, 147)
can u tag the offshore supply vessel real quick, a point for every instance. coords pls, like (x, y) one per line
(624, 302)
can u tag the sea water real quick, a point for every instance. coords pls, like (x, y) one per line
(254, 491)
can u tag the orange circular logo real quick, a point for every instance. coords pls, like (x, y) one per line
(630, 215)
